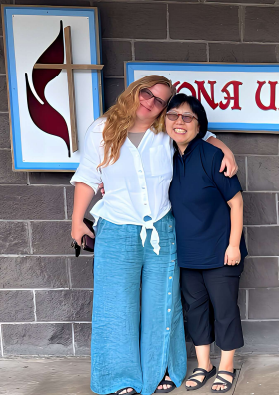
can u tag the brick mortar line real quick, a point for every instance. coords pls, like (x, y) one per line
(241, 17)
(1, 342)
(45, 185)
(69, 273)
(73, 340)
(246, 173)
(92, 289)
(247, 303)
(90, 322)
(207, 52)
(277, 203)
(181, 40)
(69, 221)
(46, 322)
(132, 51)
(190, 3)
(253, 288)
(256, 155)
(43, 255)
(65, 202)
(35, 185)
(168, 23)
(35, 220)
(91, 256)
(46, 289)
(246, 238)
(29, 232)
(35, 307)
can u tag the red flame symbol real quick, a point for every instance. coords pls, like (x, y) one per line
(44, 115)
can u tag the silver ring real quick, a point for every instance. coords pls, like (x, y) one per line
(237, 262)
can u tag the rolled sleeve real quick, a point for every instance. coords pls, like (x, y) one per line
(87, 171)
(208, 134)
(228, 187)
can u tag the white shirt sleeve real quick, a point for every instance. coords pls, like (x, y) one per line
(87, 171)
(209, 134)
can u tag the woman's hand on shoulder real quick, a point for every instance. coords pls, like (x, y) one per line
(229, 163)
(232, 255)
(79, 229)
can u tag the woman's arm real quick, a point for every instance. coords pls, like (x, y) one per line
(229, 159)
(82, 198)
(232, 253)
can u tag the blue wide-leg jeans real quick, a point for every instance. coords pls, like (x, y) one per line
(136, 335)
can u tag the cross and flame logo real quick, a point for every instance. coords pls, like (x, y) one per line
(44, 116)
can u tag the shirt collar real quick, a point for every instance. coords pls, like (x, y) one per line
(191, 146)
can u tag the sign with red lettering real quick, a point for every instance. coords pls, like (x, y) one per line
(240, 97)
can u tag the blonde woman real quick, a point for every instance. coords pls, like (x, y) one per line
(134, 349)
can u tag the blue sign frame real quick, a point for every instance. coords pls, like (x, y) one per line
(8, 11)
(131, 67)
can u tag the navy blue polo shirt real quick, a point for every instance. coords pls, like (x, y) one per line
(199, 194)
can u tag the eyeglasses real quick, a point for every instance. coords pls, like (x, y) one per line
(187, 118)
(146, 94)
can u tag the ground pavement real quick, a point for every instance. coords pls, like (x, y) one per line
(256, 375)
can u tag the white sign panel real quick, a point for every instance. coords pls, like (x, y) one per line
(236, 97)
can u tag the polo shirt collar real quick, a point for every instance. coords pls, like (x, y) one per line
(191, 146)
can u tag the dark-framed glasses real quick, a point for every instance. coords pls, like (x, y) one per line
(186, 117)
(146, 94)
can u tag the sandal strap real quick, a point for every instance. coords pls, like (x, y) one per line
(219, 384)
(222, 379)
(201, 370)
(195, 375)
(232, 374)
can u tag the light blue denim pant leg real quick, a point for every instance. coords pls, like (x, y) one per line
(129, 348)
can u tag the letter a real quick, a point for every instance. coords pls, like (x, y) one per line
(228, 98)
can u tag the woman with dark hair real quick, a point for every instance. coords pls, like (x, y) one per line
(208, 211)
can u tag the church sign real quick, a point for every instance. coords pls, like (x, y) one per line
(54, 83)
(236, 97)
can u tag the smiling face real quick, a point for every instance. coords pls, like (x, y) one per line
(181, 132)
(149, 108)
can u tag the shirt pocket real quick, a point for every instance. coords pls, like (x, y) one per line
(159, 161)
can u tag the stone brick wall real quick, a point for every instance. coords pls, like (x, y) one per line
(45, 293)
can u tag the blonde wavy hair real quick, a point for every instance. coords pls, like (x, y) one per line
(121, 116)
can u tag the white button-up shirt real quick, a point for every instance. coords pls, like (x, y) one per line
(136, 185)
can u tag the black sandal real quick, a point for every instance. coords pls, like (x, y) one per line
(207, 375)
(223, 381)
(167, 382)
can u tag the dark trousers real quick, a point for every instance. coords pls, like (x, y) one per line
(211, 303)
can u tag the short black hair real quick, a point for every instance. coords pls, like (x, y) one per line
(195, 106)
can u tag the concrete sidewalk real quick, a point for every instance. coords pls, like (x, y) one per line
(256, 375)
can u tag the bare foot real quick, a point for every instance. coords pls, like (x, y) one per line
(125, 391)
(223, 386)
(165, 386)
